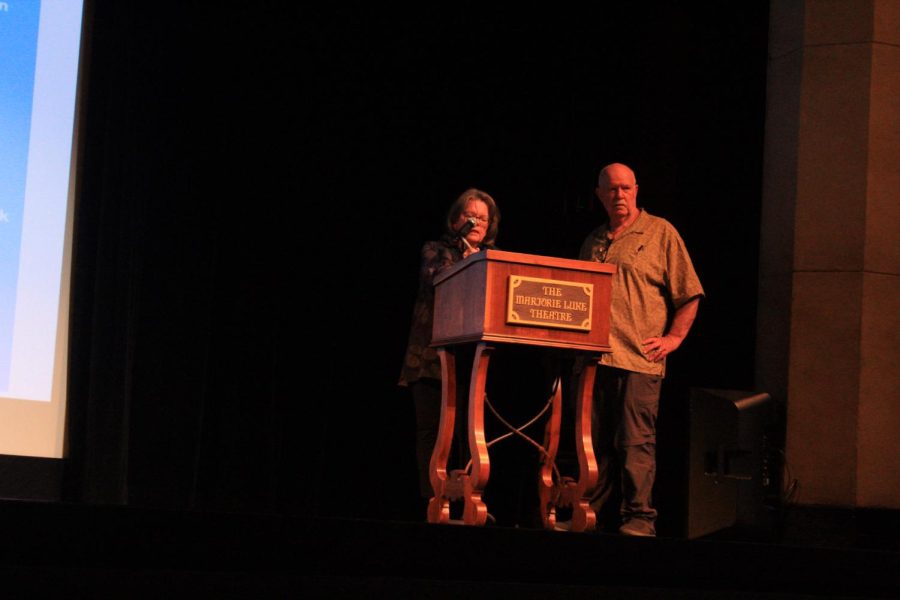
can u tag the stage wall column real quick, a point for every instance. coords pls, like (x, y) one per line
(829, 282)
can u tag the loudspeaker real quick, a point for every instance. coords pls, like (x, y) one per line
(730, 463)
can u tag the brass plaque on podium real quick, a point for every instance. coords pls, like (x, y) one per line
(549, 303)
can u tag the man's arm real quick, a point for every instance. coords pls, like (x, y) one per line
(657, 348)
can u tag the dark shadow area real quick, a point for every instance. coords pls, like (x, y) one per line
(102, 551)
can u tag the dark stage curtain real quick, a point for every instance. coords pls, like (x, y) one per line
(256, 184)
(181, 392)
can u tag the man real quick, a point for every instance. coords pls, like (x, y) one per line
(655, 294)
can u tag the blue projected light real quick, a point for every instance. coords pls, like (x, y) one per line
(39, 50)
(18, 51)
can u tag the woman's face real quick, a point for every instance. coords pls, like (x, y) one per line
(478, 210)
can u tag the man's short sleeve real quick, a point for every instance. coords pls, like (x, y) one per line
(682, 281)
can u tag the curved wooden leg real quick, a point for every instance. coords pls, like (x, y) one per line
(475, 510)
(583, 516)
(547, 490)
(439, 505)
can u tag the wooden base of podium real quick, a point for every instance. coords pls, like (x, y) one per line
(555, 490)
(560, 491)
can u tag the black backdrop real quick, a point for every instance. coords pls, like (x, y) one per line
(256, 183)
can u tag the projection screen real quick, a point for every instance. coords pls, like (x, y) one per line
(40, 44)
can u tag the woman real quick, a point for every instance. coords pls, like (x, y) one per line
(471, 225)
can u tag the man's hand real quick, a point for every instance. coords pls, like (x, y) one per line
(657, 348)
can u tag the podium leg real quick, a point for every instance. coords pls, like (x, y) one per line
(458, 484)
(475, 510)
(547, 490)
(583, 516)
(563, 491)
(439, 505)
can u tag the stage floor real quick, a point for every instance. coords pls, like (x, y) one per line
(94, 551)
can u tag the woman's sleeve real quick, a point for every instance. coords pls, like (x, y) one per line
(435, 258)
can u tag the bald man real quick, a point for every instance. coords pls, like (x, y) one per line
(655, 295)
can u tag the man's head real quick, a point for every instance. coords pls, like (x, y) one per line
(617, 190)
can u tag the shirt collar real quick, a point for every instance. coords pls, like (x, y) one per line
(638, 226)
(640, 223)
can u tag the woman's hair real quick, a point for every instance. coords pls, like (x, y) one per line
(459, 205)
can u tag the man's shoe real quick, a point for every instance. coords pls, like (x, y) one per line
(638, 528)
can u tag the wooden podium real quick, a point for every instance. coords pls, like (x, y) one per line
(506, 297)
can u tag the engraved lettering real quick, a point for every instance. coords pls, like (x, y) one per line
(549, 303)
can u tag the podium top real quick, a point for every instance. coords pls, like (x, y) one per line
(525, 259)
(497, 296)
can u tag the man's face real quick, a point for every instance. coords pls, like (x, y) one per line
(479, 211)
(617, 191)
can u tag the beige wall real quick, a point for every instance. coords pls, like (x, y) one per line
(830, 246)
